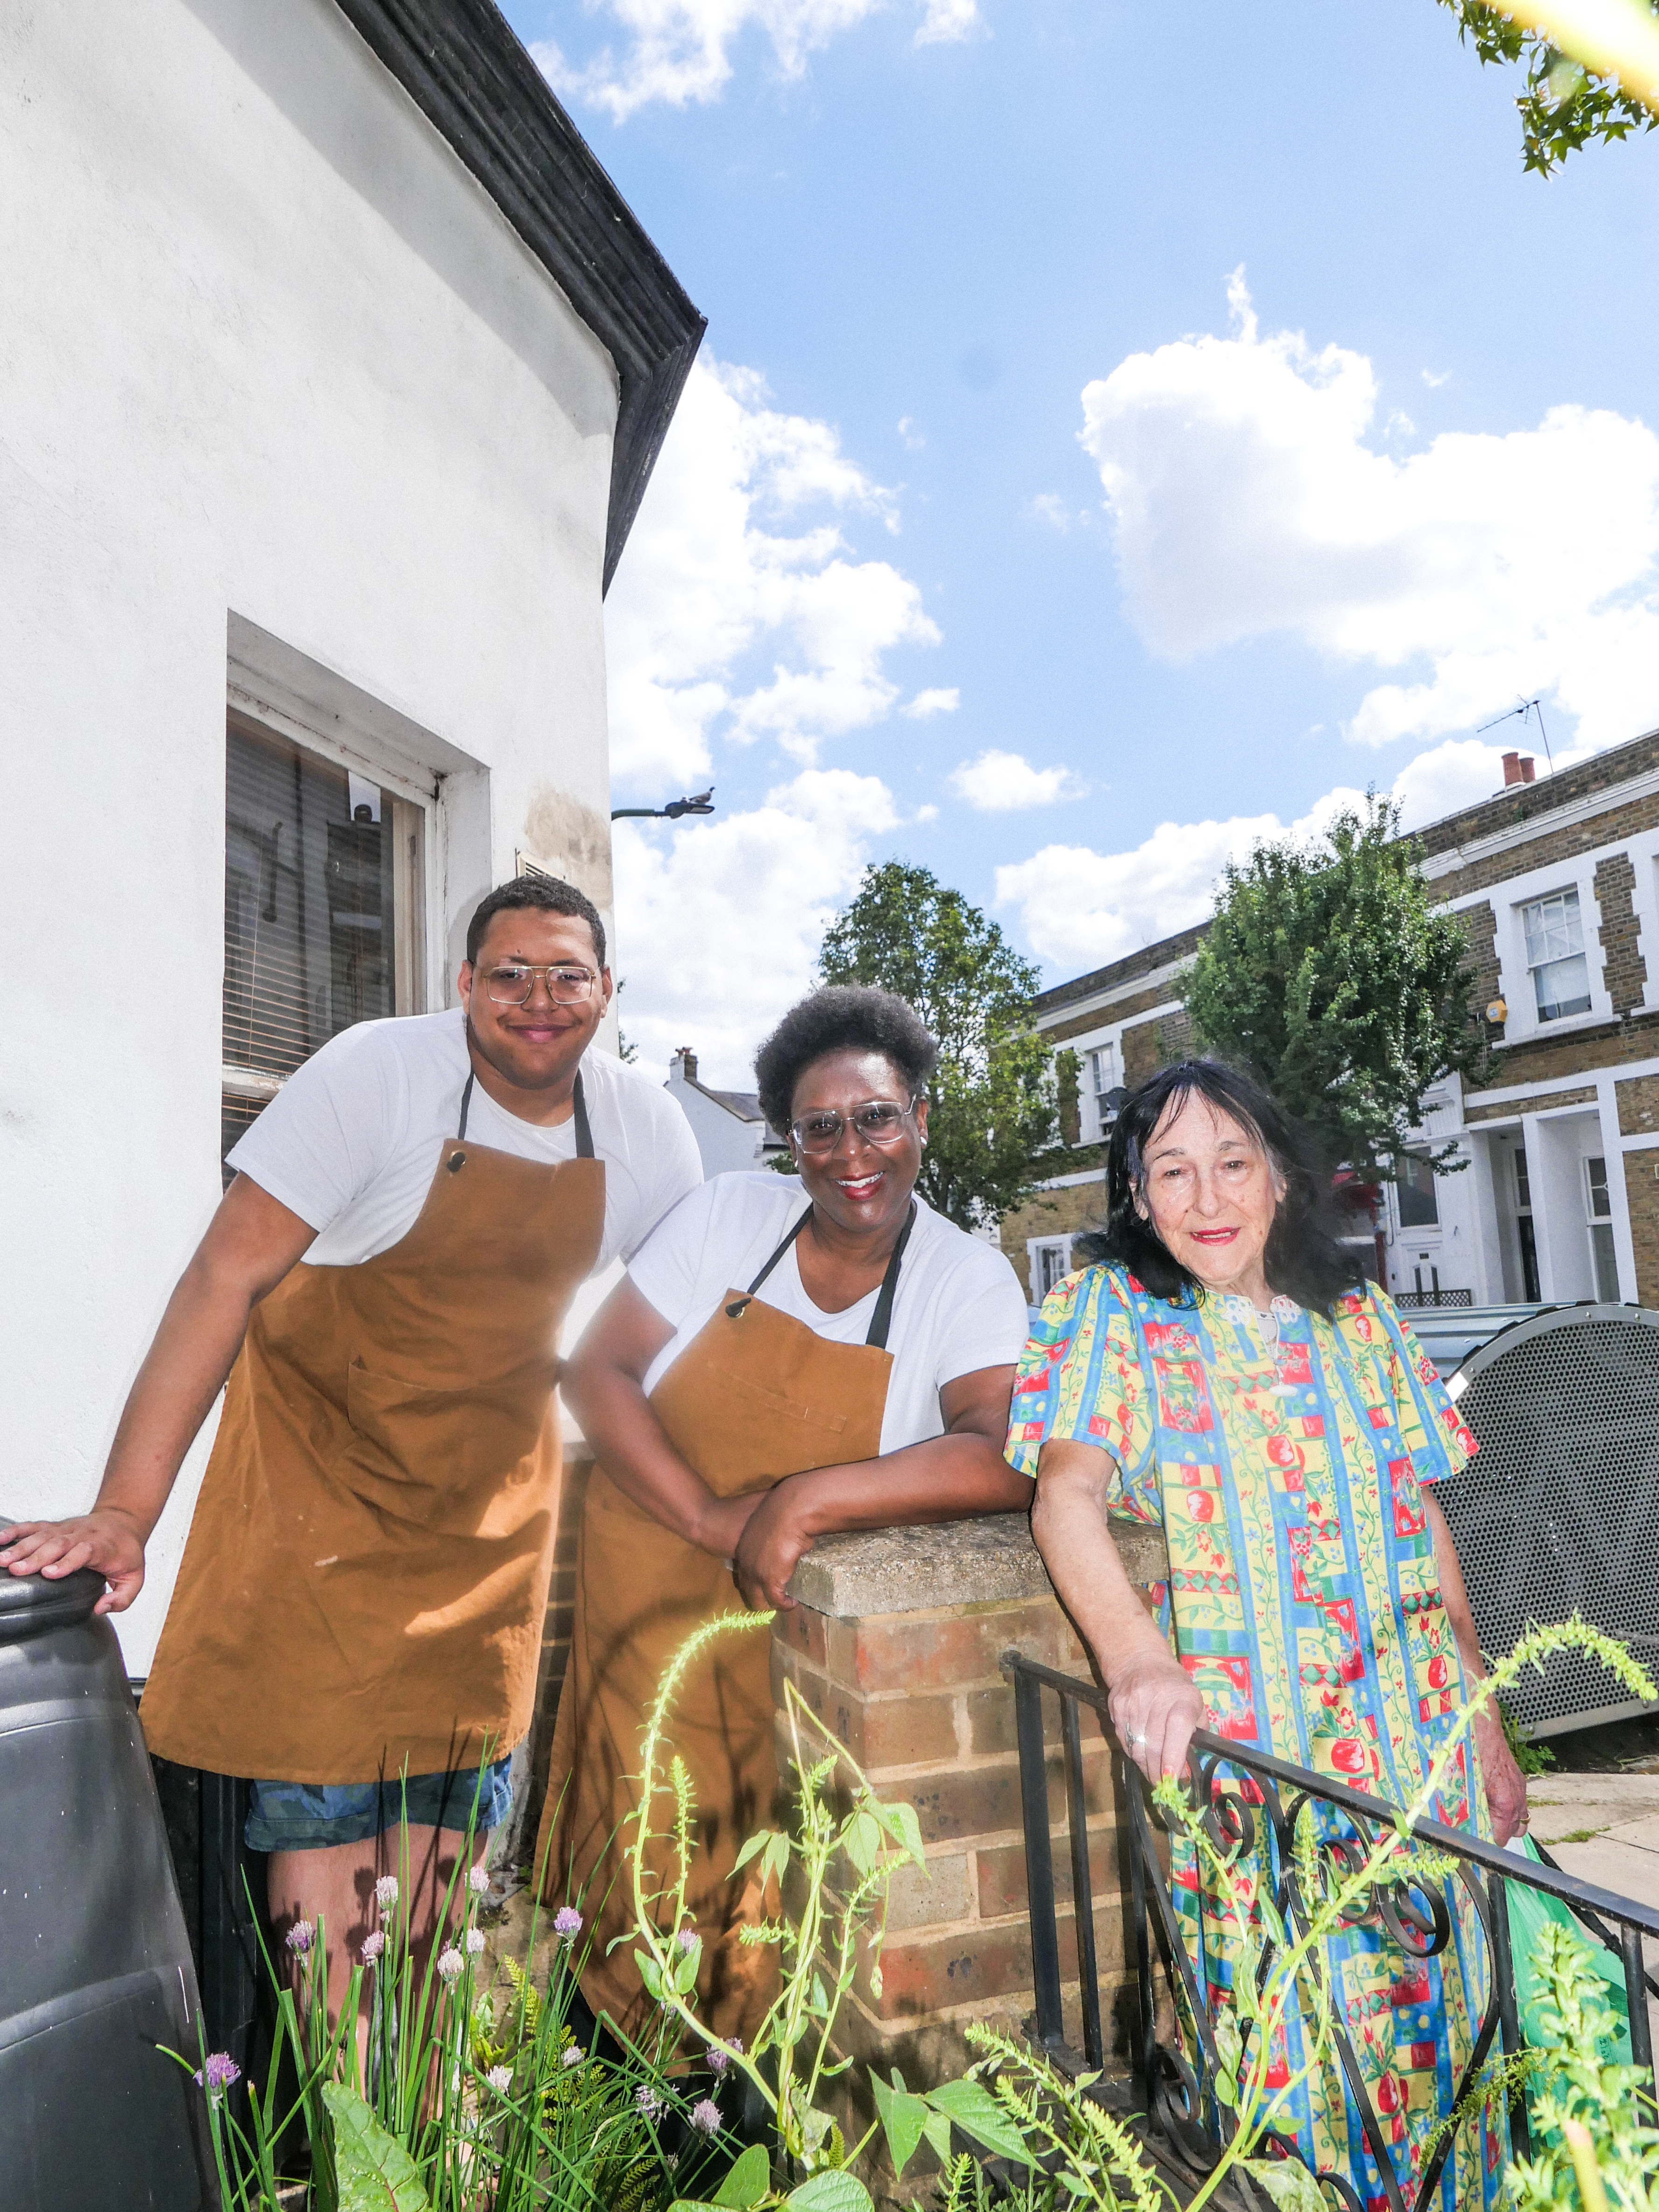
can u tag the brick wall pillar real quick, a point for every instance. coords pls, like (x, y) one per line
(895, 1643)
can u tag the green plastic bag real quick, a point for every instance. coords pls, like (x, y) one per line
(1529, 1910)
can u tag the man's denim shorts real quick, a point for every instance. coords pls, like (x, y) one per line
(308, 1816)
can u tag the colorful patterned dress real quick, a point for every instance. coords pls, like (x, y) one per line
(1304, 1602)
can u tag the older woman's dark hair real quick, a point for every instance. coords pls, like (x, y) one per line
(1302, 1259)
(842, 1017)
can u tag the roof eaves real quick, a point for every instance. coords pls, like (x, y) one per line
(461, 63)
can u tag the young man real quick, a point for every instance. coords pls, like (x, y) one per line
(362, 1591)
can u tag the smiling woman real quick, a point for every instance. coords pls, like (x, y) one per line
(786, 1358)
(1222, 1370)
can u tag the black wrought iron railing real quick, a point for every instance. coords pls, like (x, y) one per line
(1424, 1301)
(1176, 2085)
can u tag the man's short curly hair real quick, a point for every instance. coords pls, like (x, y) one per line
(842, 1017)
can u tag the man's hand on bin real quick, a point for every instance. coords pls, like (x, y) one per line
(107, 1539)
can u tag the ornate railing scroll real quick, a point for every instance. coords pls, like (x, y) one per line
(1176, 2083)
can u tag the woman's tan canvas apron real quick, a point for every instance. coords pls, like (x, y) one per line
(754, 1397)
(367, 1571)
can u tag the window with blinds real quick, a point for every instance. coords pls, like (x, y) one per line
(322, 902)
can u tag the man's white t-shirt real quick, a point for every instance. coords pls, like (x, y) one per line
(351, 1142)
(958, 1308)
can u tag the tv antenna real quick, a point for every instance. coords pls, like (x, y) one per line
(1526, 709)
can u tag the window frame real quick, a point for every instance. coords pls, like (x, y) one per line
(1566, 1010)
(1035, 1247)
(416, 815)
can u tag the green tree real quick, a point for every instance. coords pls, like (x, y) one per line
(1565, 105)
(994, 1106)
(1328, 972)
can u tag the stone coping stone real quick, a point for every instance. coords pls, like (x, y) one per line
(947, 1565)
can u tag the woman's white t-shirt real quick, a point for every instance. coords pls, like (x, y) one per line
(959, 1307)
(352, 1140)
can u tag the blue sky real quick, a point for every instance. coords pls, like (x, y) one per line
(1196, 410)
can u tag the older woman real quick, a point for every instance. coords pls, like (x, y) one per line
(787, 1357)
(1224, 1370)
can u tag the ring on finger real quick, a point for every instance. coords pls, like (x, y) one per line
(1133, 1736)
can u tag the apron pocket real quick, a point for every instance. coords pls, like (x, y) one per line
(443, 1459)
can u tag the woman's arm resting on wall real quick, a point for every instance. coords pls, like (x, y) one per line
(948, 1477)
(1154, 1704)
(1505, 1785)
(250, 1243)
(604, 1386)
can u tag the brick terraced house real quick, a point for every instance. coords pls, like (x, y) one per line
(1556, 880)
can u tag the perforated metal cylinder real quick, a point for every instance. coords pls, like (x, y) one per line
(1558, 1512)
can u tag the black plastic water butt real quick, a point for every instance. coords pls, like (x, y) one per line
(94, 1964)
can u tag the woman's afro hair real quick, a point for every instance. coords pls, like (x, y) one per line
(842, 1017)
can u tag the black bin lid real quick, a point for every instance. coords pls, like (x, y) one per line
(29, 1604)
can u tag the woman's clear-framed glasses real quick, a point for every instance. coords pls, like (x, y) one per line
(512, 984)
(880, 1122)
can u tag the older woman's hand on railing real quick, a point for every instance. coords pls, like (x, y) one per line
(1154, 1708)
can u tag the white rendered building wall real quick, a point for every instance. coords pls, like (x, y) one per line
(271, 356)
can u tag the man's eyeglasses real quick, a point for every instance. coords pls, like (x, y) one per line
(880, 1122)
(511, 986)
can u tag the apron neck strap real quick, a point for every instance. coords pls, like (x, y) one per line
(882, 1320)
(779, 1254)
(584, 1136)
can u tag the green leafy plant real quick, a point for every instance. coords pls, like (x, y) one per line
(469, 2098)
(1088, 2160)
(993, 1102)
(1531, 1757)
(1564, 105)
(1328, 971)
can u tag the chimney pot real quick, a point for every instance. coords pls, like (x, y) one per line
(1511, 770)
(1528, 768)
(688, 1060)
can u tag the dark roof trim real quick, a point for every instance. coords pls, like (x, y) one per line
(461, 64)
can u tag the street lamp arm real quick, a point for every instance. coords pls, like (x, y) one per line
(701, 803)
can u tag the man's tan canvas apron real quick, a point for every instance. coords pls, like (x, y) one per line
(754, 1397)
(367, 1568)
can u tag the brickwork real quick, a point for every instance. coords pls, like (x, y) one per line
(1527, 802)
(1118, 973)
(1142, 1054)
(1555, 1059)
(1638, 1106)
(1479, 926)
(918, 1700)
(1505, 1110)
(1642, 1194)
(1624, 970)
(557, 1624)
(1051, 1214)
(1177, 1038)
(1551, 847)
(1120, 1010)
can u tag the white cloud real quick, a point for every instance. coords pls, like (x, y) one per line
(719, 922)
(1434, 377)
(945, 22)
(1246, 501)
(925, 704)
(1080, 908)
(1048, 506)
(997, 782)
(680, 51)
(928, 813)
(731, 614)
(914, 438)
